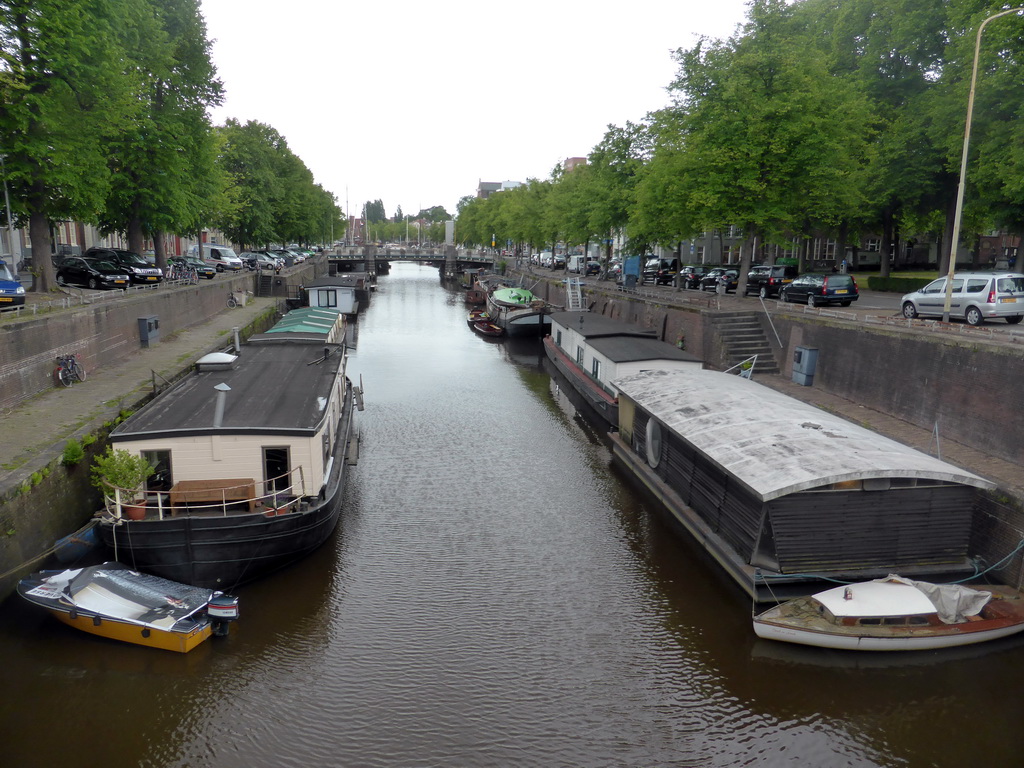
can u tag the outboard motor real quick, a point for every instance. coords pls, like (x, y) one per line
(222, 609)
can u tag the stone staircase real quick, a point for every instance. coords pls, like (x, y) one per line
(742, 337)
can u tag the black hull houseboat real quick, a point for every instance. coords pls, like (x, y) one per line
(592, 350)
(785, 496)
(250, 451)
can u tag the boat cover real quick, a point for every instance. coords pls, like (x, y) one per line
(518, 296)
(953, 602)
(114, 590)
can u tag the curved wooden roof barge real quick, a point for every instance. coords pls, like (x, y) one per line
(781, 493)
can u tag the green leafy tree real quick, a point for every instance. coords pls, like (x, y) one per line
(159, 160)
(66, 90)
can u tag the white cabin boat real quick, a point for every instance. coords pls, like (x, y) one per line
(895, 614)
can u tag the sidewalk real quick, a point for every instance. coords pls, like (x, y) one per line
(36, 430)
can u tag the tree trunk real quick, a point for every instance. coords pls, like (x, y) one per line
(947, 237)
(136, 239)
(840, 255)
(43, 274)
(746, 257)
(159, 248)
(886, 247)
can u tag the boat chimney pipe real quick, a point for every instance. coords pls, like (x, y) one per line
(238, 340)
(222, 396)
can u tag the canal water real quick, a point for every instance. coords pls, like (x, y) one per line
(497, 594)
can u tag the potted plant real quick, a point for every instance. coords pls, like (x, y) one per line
(120, 474)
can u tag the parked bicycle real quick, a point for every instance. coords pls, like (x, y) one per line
(68, 370)
(183, 273)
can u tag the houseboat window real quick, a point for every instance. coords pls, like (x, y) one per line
(653, 442)
(917, 620)
(894, 621)
(326, 297)
(869, 622)
(327, 445)
(161, 479)
(579, 355)
(558, 337)
(595, 368)
(276, 467)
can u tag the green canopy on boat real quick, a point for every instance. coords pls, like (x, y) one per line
(514, 296)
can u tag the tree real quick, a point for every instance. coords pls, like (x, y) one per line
(768, 142)
(158, 160)
(67, 89)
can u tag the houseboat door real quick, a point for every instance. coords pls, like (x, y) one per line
(276, 468)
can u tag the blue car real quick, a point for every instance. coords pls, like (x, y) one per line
(12, 293)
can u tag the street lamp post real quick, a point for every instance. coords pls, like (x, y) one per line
(963, 165)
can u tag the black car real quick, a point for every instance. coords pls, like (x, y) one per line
(140, 270)
(768, 279)
(710, 281)
(592, 268)
(820, 288)
(690, 277)
(92, 273)
(666, 274)
(201, 267)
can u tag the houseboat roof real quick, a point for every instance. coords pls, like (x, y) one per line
(275, 387)
(772, 443)
(594, 326)
(340, 280)
(631, 349)
(313, 320)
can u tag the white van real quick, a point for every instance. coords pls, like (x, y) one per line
(976, 297)
(221, 257)
(576, 263)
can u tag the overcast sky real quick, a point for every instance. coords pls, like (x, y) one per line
(414, 103)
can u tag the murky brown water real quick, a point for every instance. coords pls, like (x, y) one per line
(496, 595)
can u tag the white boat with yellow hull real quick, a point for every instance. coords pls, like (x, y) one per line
(113, 601)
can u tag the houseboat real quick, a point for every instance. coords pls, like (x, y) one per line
(250, 452)
(338, 292)
(519, 312)
(783, 495)
(592, 350)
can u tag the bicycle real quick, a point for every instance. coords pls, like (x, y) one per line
(68, 370)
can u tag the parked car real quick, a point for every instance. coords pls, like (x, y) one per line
(92, 273)
(767, 280)
(710, 281)
(286, 255)
(650, 270)
(261, 260)
(976, 297)
(201, 267)
(558, 262)
(592, 268)
(140, 270)
(691, 276)
(12, 292)
(820, 288)
(666, 272)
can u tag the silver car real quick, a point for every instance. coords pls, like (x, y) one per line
(976, 297)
